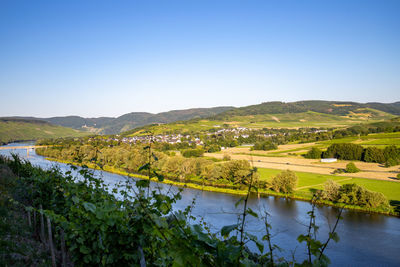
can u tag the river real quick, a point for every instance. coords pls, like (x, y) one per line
(365, 239)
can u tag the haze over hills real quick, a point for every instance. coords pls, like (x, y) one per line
(109, 125)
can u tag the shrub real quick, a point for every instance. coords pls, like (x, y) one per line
(266, 145)
(285, 182)
(391, 162)
(313, 153)
(226, 157)
(351, 168)
(357, 195)
(331, 190)
(190, 153)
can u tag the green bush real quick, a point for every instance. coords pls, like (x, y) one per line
(351, 168)
(226, 157)
(192, 153)
(357, 195)
(313, 153)
(331, 190)
(285, 182)
(266, 145)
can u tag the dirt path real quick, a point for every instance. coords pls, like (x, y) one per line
(368, 170)
(308, 186)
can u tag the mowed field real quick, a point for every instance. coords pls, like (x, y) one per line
(290, 157)
(297, 163)
(308, 182)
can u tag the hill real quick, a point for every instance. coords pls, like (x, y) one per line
(318, 114)
(109, 125)
(12, 129)
(320, 106)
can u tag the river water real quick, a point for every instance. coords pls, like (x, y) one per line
(365, 239)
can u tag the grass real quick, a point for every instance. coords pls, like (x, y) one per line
(381, 139)
(289, 120)
(23, 130)
(309, 181)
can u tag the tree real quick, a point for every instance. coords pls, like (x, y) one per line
(374, 154)
(345, 151)
(351, 168)
(285, 182)
(331, 190)
(266, 145)
(313, 153)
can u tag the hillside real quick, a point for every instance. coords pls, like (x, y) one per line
(109, 125)
(283, 120)
(311, 113)
(12, 129)
(320, 106)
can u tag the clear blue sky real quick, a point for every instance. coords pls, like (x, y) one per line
(107, 58)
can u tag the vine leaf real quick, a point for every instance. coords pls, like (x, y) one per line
(227, 229)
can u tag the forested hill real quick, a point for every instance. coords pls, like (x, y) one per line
(326, 107)
(12, 129)
(109, 125)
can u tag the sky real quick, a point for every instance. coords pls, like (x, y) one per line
(107, 58)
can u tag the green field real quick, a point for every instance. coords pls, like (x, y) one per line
(14, 130)
(286, 120)
(310, 181)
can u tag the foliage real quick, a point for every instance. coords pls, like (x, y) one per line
(190, 153)
(374, 154)
(345, 151)
(266, 145)
(331, 190)
(285, 182)
(354, 194)
(140, 226)
(351, 168)
(226, 157)
(313, 153)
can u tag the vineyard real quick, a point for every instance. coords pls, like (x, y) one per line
(84, 222)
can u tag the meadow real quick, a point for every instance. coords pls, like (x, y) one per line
(309, 182)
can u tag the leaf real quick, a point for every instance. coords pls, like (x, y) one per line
(75, 199)
(159, 176)
(144, 167)
(259, 245)
(301, 238)
(252, 212)
(334, 236)
(142, 183)
(89, 206)
(154, 156)
(239, 201)
(225, 231)
(84, 249)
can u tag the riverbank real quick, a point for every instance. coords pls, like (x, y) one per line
(298, 195)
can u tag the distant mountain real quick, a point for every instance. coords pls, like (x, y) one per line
(310, 110)
(24, 129)
(108, 125)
